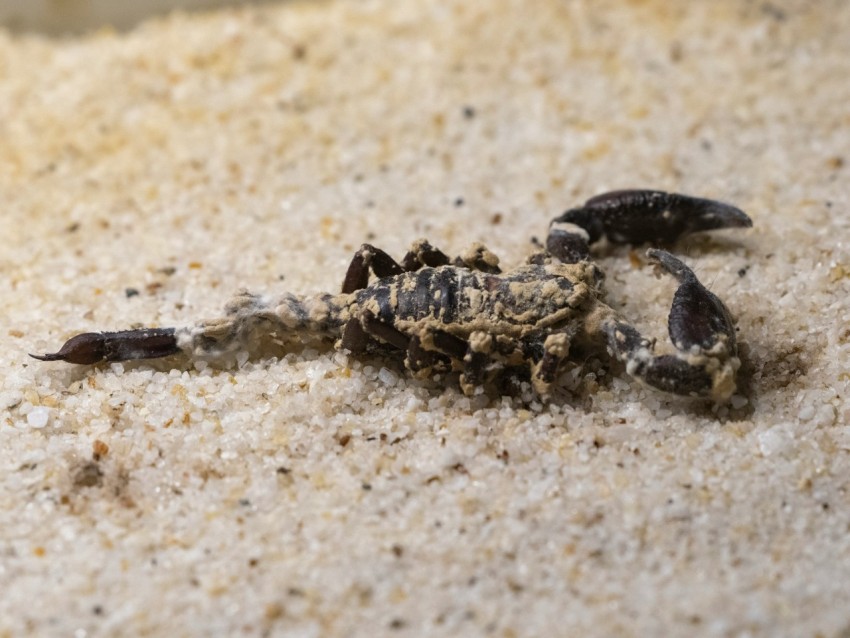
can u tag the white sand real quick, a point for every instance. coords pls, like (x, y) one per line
(318, 495)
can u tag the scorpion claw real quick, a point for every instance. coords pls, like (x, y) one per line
(708, 214)
(702, 330)
(697, 317)
(669, 215)
(638, 216)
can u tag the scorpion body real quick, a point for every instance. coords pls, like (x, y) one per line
(467, 315)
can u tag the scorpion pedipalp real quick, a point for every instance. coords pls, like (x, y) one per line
(635, 217)
(700, 328)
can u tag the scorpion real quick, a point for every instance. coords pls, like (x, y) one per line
(466, 315)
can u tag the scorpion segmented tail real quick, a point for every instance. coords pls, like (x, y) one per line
(248, 315)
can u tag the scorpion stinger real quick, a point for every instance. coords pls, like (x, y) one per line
(465, 315)
(92, 347)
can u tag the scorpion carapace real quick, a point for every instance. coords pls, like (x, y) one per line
(467, 315)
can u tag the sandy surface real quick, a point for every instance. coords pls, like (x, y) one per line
(146, 177)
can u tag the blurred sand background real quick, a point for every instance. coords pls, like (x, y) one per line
(147, 176)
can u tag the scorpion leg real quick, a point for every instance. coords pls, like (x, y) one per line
(355, 334)
(476, 257)
(479, 257)
(354, 338)
(357, 275)
(556, 348)
(474, 357)
(476, 361)
(422, 361)
(434, 352)
(637, 216)
(374, 327)
(366, 330)
(422, 253)
(700, 328)
(434, 348)
(359, 332)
